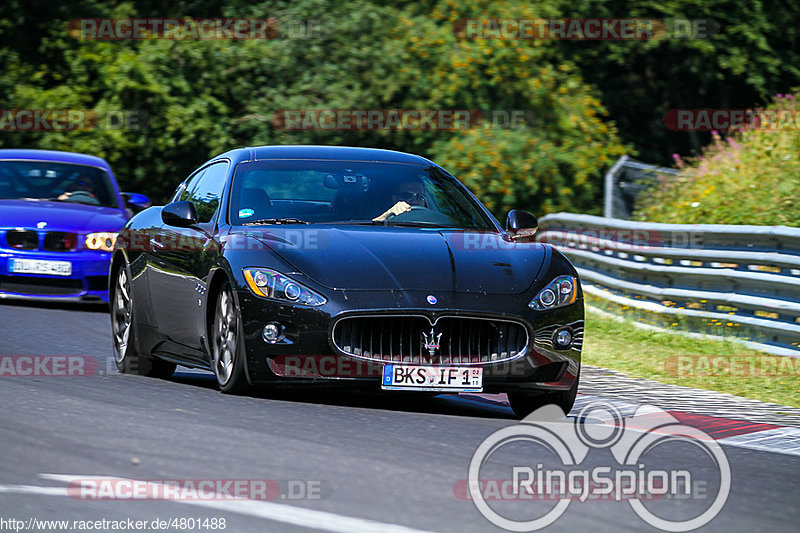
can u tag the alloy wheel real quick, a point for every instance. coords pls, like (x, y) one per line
(225, 337)
(121, 314)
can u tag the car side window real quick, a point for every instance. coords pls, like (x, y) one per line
(185, 189)
(206, 193)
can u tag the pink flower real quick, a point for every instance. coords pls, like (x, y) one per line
(789, 96)
(732, 142)
(778, 95)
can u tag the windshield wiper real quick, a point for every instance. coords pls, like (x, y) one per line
(409, 223)
(264, 221)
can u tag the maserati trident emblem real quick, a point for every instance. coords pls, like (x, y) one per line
(431, 342)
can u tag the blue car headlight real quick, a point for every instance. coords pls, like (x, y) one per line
(558, 293)
(103, 240)
(272, 284)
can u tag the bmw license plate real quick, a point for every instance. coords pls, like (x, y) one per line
(35, 266)
(432, 378)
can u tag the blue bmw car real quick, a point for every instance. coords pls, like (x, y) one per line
(60, 213)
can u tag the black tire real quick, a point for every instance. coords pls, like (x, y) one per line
(126, 356)
(227, 343)
(524, 404)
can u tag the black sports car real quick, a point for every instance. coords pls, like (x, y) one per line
(355, 267)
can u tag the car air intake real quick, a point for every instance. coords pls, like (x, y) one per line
(59, 241)
(413, 339)
(22, 239)
(40, 286)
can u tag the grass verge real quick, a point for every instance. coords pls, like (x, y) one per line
(721, 366)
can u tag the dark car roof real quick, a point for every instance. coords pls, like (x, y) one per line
(339, 153)
(54, 155)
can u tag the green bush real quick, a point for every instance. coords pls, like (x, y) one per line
(555, 161)
(751, 177)
(204, 97)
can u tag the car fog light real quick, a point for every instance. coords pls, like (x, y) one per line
(564, 338)
(273, 332)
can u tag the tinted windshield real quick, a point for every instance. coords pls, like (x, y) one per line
(63, 182)
(351, 192)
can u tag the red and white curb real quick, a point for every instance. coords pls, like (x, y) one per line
(770, 438)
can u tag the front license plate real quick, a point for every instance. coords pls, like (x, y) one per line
(35, 266)
(432, 378)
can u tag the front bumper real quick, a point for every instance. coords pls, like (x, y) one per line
(87, 282)
(313, 359)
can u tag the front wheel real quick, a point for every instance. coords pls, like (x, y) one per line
(524, 404)
(127, 358)
(227, 344)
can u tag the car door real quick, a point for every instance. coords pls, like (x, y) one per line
(182, 258)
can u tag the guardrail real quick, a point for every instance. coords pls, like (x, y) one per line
(739, 281)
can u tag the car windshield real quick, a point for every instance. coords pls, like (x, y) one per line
(63, 182)
(351, 192)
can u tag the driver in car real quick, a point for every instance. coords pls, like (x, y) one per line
(82, 190)
(410, 193)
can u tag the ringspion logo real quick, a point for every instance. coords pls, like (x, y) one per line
(530, 465)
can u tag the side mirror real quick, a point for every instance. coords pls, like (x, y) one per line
(180, 214)
(137, 202)
(521, 225)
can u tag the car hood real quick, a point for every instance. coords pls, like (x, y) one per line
(367, 258)
(59, 216)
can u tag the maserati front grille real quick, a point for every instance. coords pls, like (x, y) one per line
(451, 340)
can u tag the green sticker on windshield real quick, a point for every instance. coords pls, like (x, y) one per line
(245, 213)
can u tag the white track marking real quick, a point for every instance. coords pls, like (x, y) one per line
(33, 489)
(287, 514)
(780, 440)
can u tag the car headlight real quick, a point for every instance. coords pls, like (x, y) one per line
(101, 241)
(272, 284)
(558, 293)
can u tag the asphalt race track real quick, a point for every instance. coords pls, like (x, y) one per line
(342, 462)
